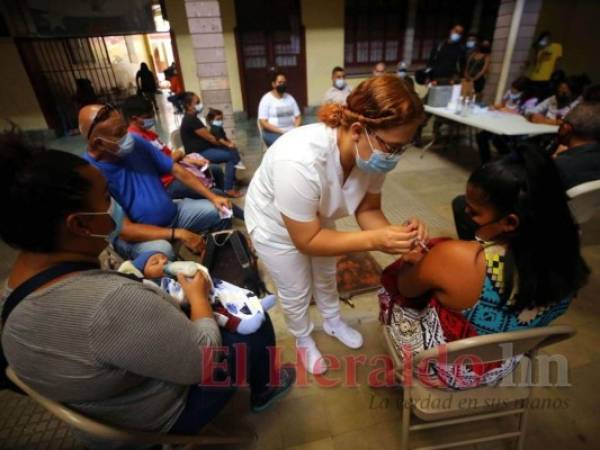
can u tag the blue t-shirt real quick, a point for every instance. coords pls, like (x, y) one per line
(134, 182)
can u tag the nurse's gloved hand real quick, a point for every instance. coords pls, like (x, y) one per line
(395, 239)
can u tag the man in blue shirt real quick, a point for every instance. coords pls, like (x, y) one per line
(133, 169)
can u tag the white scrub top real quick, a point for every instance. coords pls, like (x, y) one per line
(301, 176)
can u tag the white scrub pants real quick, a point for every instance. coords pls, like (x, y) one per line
(299, 278)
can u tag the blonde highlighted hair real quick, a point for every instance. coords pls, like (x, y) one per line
(380, 102)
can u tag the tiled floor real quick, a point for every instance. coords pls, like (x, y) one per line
(313, 417)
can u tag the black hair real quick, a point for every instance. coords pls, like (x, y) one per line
(186, 99)
(337, 69)
(544, 250)
(275, 74)
(520, 84)
(40, 188)
(542, 35)
(592, 93)
(136, 105)
(212, 113)
(576, 84)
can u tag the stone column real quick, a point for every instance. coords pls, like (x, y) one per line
(409, 33)
(204, 20)
(525, 36)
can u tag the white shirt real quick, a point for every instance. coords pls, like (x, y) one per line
(335, 95)
(280, 112)
(301, 176)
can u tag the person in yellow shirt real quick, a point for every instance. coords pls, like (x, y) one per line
(546, 55)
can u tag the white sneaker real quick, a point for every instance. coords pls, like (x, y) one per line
(240, 166)
(310, 356)
(345, 333)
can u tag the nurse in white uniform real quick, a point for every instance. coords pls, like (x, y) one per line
(316, 174)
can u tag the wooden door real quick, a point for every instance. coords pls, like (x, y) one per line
(270, 36)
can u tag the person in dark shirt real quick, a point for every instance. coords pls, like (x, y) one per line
(447, 60)
(214, 119)
(578, 156)
(197, 138)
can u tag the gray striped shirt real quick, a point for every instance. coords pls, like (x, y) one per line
(109, 347)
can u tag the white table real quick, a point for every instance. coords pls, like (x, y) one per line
(496, 122)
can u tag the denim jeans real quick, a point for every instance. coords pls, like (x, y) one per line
(204, 403)
(178, 190)
(198, 216)
(269, 137)
(227, 156)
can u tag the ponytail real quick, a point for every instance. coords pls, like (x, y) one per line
(379, 102)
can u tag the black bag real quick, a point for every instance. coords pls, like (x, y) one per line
(22, 291)
(228, 257)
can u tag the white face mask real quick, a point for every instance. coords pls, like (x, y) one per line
(340, 83)
(217, 123)
(470, 44)
(199, 107)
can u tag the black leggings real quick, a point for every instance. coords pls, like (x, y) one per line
(204, 403)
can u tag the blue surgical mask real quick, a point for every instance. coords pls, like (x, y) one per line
(117, 215)
(126, 145)
(378, 162)
(340, 83)
(199, 107)
(217, 123)
(148, 123)
(470, 44)
(455, 37)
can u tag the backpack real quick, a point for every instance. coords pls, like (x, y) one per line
(228, 257)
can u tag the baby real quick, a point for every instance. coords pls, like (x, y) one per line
(235, 309)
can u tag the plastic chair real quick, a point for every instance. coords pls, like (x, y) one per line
(584, 200)
(112, 433)
(477, 403)
(263, 144)
(175, 138)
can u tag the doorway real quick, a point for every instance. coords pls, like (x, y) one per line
(272, 39)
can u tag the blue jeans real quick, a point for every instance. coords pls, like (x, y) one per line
(204, 403)
(227, 156)
(269, 137)
(178, 190)
(198, 216)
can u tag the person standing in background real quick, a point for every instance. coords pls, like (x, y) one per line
(447, 60)
(340, 89)
(379, 69)
(543, 64)
(478, 66)
(146, 84)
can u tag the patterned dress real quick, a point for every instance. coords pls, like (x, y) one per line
(424, 323)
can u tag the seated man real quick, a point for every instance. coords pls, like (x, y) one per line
(578, 156)
(552, 110)
(133, 169)
(139, 114)
(340, 89)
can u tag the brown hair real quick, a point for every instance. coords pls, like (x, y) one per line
(379, 102)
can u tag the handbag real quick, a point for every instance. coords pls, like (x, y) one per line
(228, 257)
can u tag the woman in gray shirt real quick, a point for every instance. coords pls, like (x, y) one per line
(106, 345)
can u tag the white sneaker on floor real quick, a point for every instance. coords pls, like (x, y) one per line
(310, 356)
(343, 332)
(240, 166)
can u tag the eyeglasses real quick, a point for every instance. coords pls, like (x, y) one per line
(103, 114)
(391, 149)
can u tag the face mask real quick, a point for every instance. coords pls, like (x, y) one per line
(514, 96)
(199, 108)
(378, 162)
(455, 37)
(281, 88)
(126, 145)
(217, 123)
(148, 123)
(470, 44)
(340, 83)
(117, 215)
(402, 73)
(543, 43)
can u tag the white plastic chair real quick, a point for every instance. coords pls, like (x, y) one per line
(472, 405)
(263, 144)
(105, 432)
(176, 138)
(584, 200)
